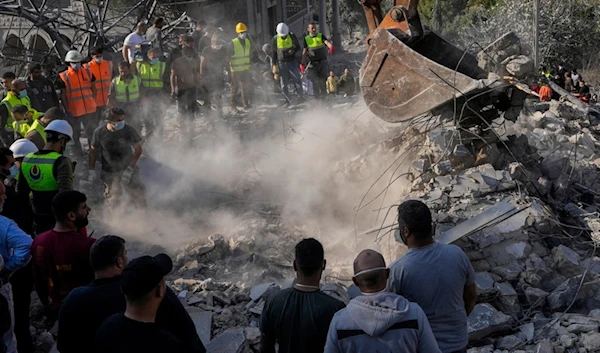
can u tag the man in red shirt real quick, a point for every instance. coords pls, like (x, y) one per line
(61, 256)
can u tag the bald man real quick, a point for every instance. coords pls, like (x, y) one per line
(132, 40)
(378, 321)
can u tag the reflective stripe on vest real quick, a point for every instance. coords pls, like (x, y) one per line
(11, 100)
(286, 43)
(103, 74)
(127, 92)
(38, 170)
(37, 126)
(240, 60)
(80, 99)
(151, 75)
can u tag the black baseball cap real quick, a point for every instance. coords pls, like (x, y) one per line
(143, 274)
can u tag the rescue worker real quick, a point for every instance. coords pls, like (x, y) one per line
(314, 55)
(185, 74)
(78, 98)
(6, 133)
(36, 133)
(125, 93)
(40, 90)
(7, 79)
(120, 147)
(285, 45)
(45, 173)
(17, 95)
(241, 78)
(102, 70)
(152, 75)
(212, 62)
(23, 120)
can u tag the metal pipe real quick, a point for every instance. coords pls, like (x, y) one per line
(335, 22)
(536, 33)
(323, 18)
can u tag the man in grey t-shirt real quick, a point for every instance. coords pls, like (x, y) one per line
(438, 277)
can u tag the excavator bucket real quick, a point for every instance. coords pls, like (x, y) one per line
(403, 77)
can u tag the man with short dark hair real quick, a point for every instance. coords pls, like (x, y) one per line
(185, 77)
(125, 92)
(185, 41)
(438, 277)
(79, 321)
(135, 330)
(61, 256)
(154, 34)
(120, 147)
(378, 321)
(199, 33)
(298, 318)
(41, 90)
(7, 79)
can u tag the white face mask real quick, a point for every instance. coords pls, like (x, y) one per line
(217, 46)
(98, 60)
(75, 65)
(243, 35)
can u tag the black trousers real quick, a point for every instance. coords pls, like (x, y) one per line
(22, 286)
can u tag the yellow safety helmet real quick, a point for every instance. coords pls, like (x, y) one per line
(240, 28)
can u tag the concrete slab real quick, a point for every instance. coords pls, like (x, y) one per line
(230, 341)
(203, 322)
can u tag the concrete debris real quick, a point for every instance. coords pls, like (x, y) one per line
(230, 341)
(485, 320)
(519, 66)
(203, 322)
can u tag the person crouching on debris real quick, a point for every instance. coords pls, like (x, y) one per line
(377, 320)
(120, 147)
(545, 93)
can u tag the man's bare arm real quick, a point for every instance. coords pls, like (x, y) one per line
(125, 52)
(136, 154)
(470, 297)
(173, 81)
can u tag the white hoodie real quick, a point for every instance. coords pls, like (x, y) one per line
(385, 322)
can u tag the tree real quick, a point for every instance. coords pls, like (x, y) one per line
(352, 16)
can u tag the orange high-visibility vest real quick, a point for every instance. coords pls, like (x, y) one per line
(80, 99)
(103, 74)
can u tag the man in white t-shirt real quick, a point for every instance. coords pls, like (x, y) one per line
(133, 39)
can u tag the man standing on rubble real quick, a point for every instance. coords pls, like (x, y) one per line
(125, 93)
(133, 42)
(78, 98)
(212, 63)
(154, 34)
(46, 173)
(85, 308)
(37, 133)
(120, 148)
(438, 277)
(61, 256)
(315, 54)
(185, 74)
(41, 90)
(102, 69)
(377, 320)
(285, 46)
(152, 73)
(135, 330)
(298, 318)
(17, 95)
(241, 78)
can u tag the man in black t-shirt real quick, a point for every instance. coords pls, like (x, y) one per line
(120, 147)
(135, 330)
(212, 63)
(298, 318)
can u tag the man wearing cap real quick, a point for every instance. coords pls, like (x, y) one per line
(61, 256)
(79, 321)
(45, 173)
(136, 330)
(378, 321)
(448, 294)
(297, 318)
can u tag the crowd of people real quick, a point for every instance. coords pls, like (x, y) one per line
(569, 80)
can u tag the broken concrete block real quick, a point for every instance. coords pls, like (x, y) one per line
(544, 346)
(509, 342)
(554, 166)
(484, 349)
(581, 328)
(258, 291)
(252, 334)
(564, 294)
(536, 297)
(508, 300)
(509, 272)
(230, 341)
(520, 66)
(442, 167)
(485, 286)
(203, 323)
(486, 320)
(566, 261)
(591, 341)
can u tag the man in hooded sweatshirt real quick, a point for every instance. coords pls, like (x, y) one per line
(379, 321)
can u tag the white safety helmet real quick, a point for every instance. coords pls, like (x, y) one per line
(73, 56)
(23, 147)
(60, 126)
(283, 29)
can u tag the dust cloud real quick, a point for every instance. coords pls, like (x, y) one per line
(288, 166)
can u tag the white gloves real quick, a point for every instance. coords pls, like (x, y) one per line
(126, 176)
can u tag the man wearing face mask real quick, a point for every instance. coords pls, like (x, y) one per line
(125, 92)
(212, 63)
(241, 78)
(315, 53)
(41, 90)
(120, 147)
(45, 174)
(447, 303)
(378, 321)
(285, 46)
(78, 97)
(61, 256)
(102, 69)
(152, 72)
(185, 41)
(16, 96)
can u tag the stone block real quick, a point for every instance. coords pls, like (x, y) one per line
(566, 261)
(508, 300)
(520, 66)
(258, 291)
(591, 341)
(564, 294)
(509, 342)
(230, 341)
(536, 297)
(580, 328)
(252, 334)
(485, 320)
(203, 323)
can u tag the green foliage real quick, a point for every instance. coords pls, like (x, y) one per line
(352, 16)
